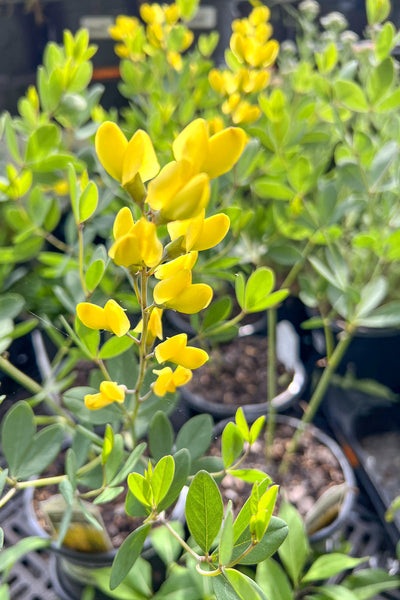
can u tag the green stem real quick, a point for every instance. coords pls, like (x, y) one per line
(182, 542)
(322, 385)
(7, 496)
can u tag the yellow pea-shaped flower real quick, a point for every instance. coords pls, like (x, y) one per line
(110, 392)
(175, 350)
(136, 244)
(168, 380)
(112, 317)
(200, 233)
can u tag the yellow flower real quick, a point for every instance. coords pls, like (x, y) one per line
(178, 192)
(213, 155)
(187, 261)
(154, 326)
(135, 243)
(152, 13)
(200, 233)
(168, 380)
(259, 15)
(112, 317)
(215, 124)
(231, 103)
(110, 392)
(124, 160)
(172, 14)
(246, 113)
(177, 292)
(175, 60)
(175, 350)
(217, 82)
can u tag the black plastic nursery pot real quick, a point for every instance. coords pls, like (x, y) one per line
(72, 569)
(372, 354)
(343, 509)
(368, 430)
(288, 352)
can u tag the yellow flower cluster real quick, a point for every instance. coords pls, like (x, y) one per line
(177, 195)
(164, 31)
(253, 53)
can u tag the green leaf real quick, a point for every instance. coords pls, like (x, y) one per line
(300, 174)
(182, 469)
(162, 477)
(218, 311)
(245, 587)
(108, 494)
(94, 274)
(272, 540)
(42, 142)
(204, 510)
(382, 162)
(3, 478)
(223, 589)
(377, 11)
(129, 464)
(88, 202)
(13, 554)
(127, 554)
(10, 306)
(391, 102)
(328, 565)
(351, 96)
(295, 549)
(231, 444)
(44, 448)
(226, 539)
(387, 315)
(337, 592)
(187, 8)
(372, 294)
(259, 285)
(196, 435)
(243, 518)
(114, 458)
(17, 432)
(241, 424)
(165, 544)
(161, 435)
(385, 40)
(267, 188)
(140, 488)
(115, 346)
(256, 429)
(368, 583)
(273, 580)
(73, 400)
(240, 285)
(380, 80)
(11, 139)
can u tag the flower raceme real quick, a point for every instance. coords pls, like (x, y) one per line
(168, 380)
(111, 318)
(110, 392)
(176, 350)
(136, 244)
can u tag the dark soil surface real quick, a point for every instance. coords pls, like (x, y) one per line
(311, 470)
(236, 373)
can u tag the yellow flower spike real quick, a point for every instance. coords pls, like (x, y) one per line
(187, 40)
(111, 144)
(175, 350)
(192, 299)
(168, 289)
(139, 157)
(200, 233)
(238, 46)
(215, 155)
(139, 246)
(187, 262)
(172, 14)
(112, 317)
(168, 381)
(110, 392)
(263, 33)
(152, 13)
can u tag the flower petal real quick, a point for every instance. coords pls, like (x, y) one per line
(192, 143)
(225, 149)
(192, 299)
(115, 392)
(91, 315)
(117, 321)
(167, 289)
(213, 232)
(110, 145)
(140, 157)
(123, 222)
(172, 346)
(167, 270)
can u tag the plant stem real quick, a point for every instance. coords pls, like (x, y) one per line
(182, 542)
(322, 386)
(7, 496)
